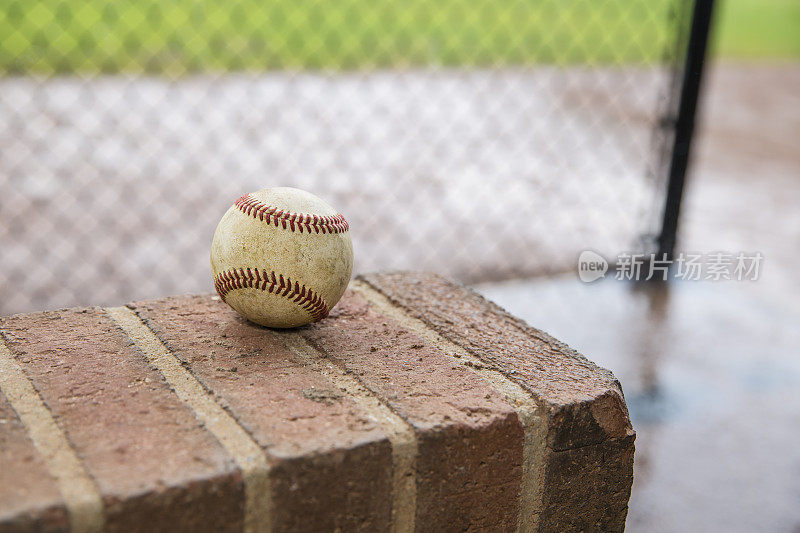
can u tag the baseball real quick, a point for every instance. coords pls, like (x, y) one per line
(281, 257)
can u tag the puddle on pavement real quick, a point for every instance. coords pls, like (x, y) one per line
(710, 374)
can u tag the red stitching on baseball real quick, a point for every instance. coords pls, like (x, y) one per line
(291, 221)
(247, 278)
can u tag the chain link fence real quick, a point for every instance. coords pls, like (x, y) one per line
(483, 139)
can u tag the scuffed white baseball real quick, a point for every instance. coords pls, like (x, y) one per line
(281, 257)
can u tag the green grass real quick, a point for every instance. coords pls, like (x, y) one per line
(757, 29)
(201, 35)
(178, 36)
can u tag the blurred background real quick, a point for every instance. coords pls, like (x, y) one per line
(487, 140)
(481, 139)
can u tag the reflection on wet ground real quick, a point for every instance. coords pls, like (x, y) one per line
(711, 370)
(711, 379)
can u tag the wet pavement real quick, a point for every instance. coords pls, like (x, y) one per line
(711, 379)
(710, 370)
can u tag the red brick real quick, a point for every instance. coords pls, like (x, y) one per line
(588, 488)
(155, 467)
(29, 495)
(469, 437)
(584, 403)
(497, 409)
(330, 463)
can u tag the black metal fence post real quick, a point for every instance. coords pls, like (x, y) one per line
(684, 126)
